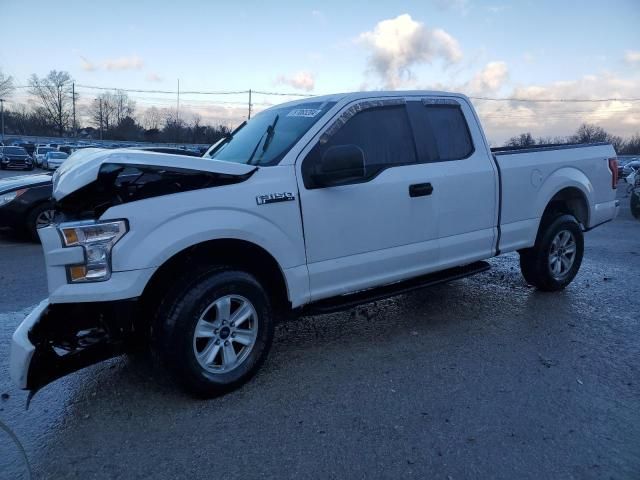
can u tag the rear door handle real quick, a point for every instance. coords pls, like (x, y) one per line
(420, 190)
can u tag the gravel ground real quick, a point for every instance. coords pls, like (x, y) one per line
(481, 378)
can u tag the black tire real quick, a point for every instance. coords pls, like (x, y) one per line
(2, 167)
(174, 326)
(535, 261)
(634, 204)
(31, 225)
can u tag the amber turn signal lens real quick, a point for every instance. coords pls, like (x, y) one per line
(70, 236)
(78, 272)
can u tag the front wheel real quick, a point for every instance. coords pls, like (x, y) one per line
(214, 330)
(40, 216)
(553, 262)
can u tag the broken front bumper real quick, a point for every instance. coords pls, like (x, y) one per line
(57, 339)
(21, 347)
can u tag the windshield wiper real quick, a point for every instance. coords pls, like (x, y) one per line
(269, 133)
(224, 140)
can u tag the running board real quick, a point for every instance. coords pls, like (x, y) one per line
(344, 302)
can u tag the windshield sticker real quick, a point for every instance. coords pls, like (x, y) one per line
(304, 112)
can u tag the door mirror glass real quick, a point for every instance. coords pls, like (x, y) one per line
(339, 164)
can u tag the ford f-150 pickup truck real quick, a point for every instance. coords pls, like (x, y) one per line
(312, 206)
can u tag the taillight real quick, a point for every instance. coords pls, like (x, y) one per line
(613, 166)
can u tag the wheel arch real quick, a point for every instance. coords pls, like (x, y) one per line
(567, 190)
(241, 254)
(569, 200)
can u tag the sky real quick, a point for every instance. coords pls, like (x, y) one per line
(534, 50)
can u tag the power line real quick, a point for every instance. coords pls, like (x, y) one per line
(285, 94)
(168, 92)
(291, 94)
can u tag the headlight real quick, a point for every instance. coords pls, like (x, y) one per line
(97, 239)
(10, 196)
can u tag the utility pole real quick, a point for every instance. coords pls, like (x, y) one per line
(100, 100)
(249, 117)
(2, 115)
(73, 93)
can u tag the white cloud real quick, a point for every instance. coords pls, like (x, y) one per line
(488, 80)
(398, 44)
(549, 119)
(86, 64)
(301, 80)
(132, 62)
(317, 14)
(632, 57)
(154, 77)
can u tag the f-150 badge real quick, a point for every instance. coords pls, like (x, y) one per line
(275, 197)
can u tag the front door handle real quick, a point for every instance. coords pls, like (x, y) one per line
(420, 190)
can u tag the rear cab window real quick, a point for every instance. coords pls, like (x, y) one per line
(440, 130)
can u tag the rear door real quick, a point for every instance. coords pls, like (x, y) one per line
(451, 146)
(373, 231)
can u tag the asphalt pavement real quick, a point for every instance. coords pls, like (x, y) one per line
(480, 378)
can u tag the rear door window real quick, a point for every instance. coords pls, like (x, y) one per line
(441, 131)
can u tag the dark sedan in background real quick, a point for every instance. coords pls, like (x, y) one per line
(25, 203)
(15, 157)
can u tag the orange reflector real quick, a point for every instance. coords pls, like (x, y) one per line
(70, 236)
(78, 272)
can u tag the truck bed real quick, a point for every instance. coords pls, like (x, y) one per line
(531, 176)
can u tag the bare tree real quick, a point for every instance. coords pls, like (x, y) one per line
(109, 109)
(589, 133)
(196, 128)
(53, 95)
(152, 118)
(631, 146)
(522, 140)
(123, 106)
(102, 112)
(6, 85)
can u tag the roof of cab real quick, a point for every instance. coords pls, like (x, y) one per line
(351, 96)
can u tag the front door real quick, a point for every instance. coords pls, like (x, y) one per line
(373, 231)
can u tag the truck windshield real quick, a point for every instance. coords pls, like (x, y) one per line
(266, 138)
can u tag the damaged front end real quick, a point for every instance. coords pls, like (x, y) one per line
(58, 339)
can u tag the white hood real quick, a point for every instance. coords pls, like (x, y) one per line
(82, 167)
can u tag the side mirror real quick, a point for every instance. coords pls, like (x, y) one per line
(338, 165)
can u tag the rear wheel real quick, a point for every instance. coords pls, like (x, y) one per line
(553, 262)
(214, 330)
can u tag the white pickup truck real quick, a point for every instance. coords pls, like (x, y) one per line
(311, 206)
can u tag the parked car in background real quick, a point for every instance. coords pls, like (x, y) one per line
(40, 152)
(29, 147)
(68, 149)
(25, 203)
(53, 160)
(15, 157)
(630, 167)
